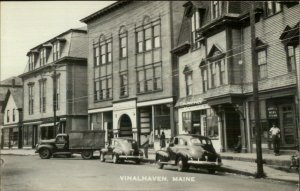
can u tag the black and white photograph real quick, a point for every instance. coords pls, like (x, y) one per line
(149, 95)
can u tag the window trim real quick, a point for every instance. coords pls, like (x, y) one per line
(258, 64)
(273, 4)
(289, 65)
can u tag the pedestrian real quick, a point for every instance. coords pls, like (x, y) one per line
(146, 146)
(275, 134)
(162, 140)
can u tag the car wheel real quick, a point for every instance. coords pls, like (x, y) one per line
(181, 165)
(211, 171)
(102, 159)
(87, 154)
(158, 163)
(45, 153)
(115, 158)
(137, 161)
(69, 155)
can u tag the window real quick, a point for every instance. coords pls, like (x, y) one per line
(7, 116)
(57, 97)
(43, 57)
(56, 51)
(187, 121)
(123, 47)
(42, 96)
(140, 85)
(157, 78)
(272, 8)
(262, 64)
(212, 130)
(96, 56)
(103, 54)
(30, 99)
(148, 38)
(123, 85)
(204, 78)
(189, 83)
(291, 59)
(195, 20)
(14, 115)
(149, 79)
(221, 65)
(217, 9)
(31, 62)
(213, 75)
(105, 88)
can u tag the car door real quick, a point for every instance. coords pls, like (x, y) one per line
(61, 142)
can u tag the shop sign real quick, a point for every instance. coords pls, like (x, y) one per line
(272, 112)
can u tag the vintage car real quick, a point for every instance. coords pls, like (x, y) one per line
(122, 149)
(189, 150)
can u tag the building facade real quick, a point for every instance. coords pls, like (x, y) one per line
(215, 72)
(55, 87)
(130, 88)
(11, 84)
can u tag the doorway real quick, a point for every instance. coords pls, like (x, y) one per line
(125, 126)
(287, 125)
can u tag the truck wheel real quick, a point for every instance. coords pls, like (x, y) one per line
(137, 161)
(211, 171)
(45, 153)
(87, 154)
(102, 159)
(158, 162)
(115, 158)
(181, 165)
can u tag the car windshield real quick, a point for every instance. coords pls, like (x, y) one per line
(198, 141)
(129, 143)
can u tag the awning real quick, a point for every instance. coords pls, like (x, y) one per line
(48, 124)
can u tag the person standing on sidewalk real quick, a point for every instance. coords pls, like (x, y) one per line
(275, 133)
(146, 146)
(162, 140)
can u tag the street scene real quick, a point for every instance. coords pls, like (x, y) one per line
(150, 95)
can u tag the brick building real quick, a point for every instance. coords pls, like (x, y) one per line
(215, 73)
(132, 72)
(55, 93)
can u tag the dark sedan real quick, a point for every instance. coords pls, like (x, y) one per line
(122, 149)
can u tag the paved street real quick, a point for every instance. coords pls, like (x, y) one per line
(31, 173)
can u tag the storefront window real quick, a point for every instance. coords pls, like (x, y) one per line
(162, 117)
(187, 121)
(212, 124)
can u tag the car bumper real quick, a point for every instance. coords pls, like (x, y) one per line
(130, 157)
(204, 163)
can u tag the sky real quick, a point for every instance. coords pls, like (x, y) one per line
(25, 25)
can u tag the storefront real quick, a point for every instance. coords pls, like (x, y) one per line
(10, 135)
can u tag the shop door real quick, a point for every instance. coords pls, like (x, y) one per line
(287, 125)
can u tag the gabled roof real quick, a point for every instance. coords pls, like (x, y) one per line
(17, 95)
(8, 81)
(215, 49)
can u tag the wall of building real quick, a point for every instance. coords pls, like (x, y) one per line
(11, 105)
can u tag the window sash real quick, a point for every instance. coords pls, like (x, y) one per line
(291, 58)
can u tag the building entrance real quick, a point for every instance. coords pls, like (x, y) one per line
(125, 126)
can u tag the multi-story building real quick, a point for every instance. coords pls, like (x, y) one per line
(215, 71)
(132, 72)
(55, 87)
(9, 129)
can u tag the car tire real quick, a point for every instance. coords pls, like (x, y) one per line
(68, 155)
(211, 171)
(102, 159)
(45, 153)
(137, 161)
(181, 165)
(87, 155)
(158, 162)
(115, 158)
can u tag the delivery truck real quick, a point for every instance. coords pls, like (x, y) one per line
(81, 142)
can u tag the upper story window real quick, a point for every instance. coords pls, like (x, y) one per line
(96, 56)
(291, 59)
(123, 84)
(195, 20)
(216, 9)
(272, 7)
(105, 48)
(30, 98)
(262, 64)
(56, 51)
(188, 80)
(7, 116)
(43, 88)
(123, 42)
(43, 57)
(31, 61)
(14, 115)
(148, 36)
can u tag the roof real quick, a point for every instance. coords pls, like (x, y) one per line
(8, 81)
(104, 11)
(17, 95)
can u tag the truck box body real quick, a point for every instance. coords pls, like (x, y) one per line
(86, 139)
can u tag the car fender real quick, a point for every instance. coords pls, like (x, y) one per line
(183, 154)
(163, 154)
(117, 151)
(45, 146)
(104, 150)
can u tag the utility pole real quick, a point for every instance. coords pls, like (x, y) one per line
(259, 160)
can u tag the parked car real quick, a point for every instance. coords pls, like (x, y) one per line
(189, 150)
(82, 142)
(122, 149)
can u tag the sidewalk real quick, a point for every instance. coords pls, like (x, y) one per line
(238, 163)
